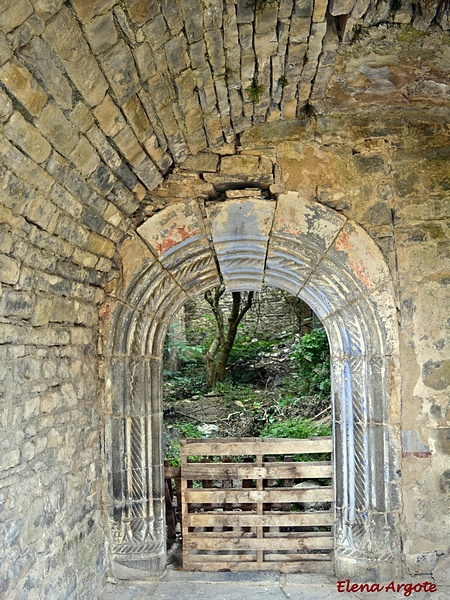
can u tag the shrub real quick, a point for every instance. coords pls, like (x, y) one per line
(312, 357)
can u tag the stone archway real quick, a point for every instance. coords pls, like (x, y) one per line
(303, 248)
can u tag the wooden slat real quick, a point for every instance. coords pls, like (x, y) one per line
(294, 470)
(282, 566)
(262, 446)
(172, 472)
(223, 557)
(253, 537)
(198, 542)
(239, 496)
(233, 519)
(296, 557)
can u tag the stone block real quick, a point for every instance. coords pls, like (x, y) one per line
(149, 174)
(88, 10)
(341, 7)
(239, 164)
(206, 161)
(42, 311)
(13, 14)
(9, 459)
(101, 33)
(5, 49)
(37, 55)
(57, 129)
(102, 179)
(16, 304)
(176, 54)
(141, 11)
(104, 148)
(82, 117)
(137, 117)
(6, 241)
(192, 9)
(109, 117)
(100, 245)
(144, 61)
(19, 81)
(6, 106)
(129, 146)
(369, 164)
(173, 16)
(9, 270)
(28, 138)
(65, 37)
(85, 157)
(118, 66)
(156, 33)
(47, 8)
(41, 212)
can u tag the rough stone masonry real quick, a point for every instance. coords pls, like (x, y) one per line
(112, 110)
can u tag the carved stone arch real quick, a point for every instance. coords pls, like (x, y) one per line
(303, 248)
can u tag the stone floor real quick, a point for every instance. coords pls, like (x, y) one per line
(180, 585)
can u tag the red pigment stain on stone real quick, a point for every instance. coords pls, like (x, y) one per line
(359, 272)
(344, 244)
(105, 311)
(173, 238)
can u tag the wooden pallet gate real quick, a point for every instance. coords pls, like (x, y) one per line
(242, 510)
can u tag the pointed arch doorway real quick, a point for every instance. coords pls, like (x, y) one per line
(307, 250)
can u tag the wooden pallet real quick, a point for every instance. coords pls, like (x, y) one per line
(241, 511)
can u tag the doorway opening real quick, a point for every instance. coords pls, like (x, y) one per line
(276, 385)
(311, 252)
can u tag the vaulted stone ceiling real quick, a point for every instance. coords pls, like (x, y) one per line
(127, 90)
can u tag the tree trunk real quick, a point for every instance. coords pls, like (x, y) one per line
(216, 368)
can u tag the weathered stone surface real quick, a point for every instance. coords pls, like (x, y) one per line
(37, 56)
(12, 15)
(156, 32)
(65, 36)
(176, 53)
(109, 116)
(373, 151)
(28, 138)
(19, 81)
(85, 157)
(119, 68)
(88, 10)
(129, 146)
(57, 129)
(140, 10)
(138, 119)
(82, 117)
(9, 269)
(47, 8)
(101, 33)
(6, 106)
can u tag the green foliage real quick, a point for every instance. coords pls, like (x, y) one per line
(254, 91)
(282, 82)
(300, 429)
(179, 430)
(312, 357)
(296, 428)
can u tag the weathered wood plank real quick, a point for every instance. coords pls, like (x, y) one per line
(282, 566)
(233, 519)
(197, 542)
(172, 472)
(295, 470)
(242, 495)
(264, 446)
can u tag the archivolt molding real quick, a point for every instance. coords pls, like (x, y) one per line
(307, 250)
